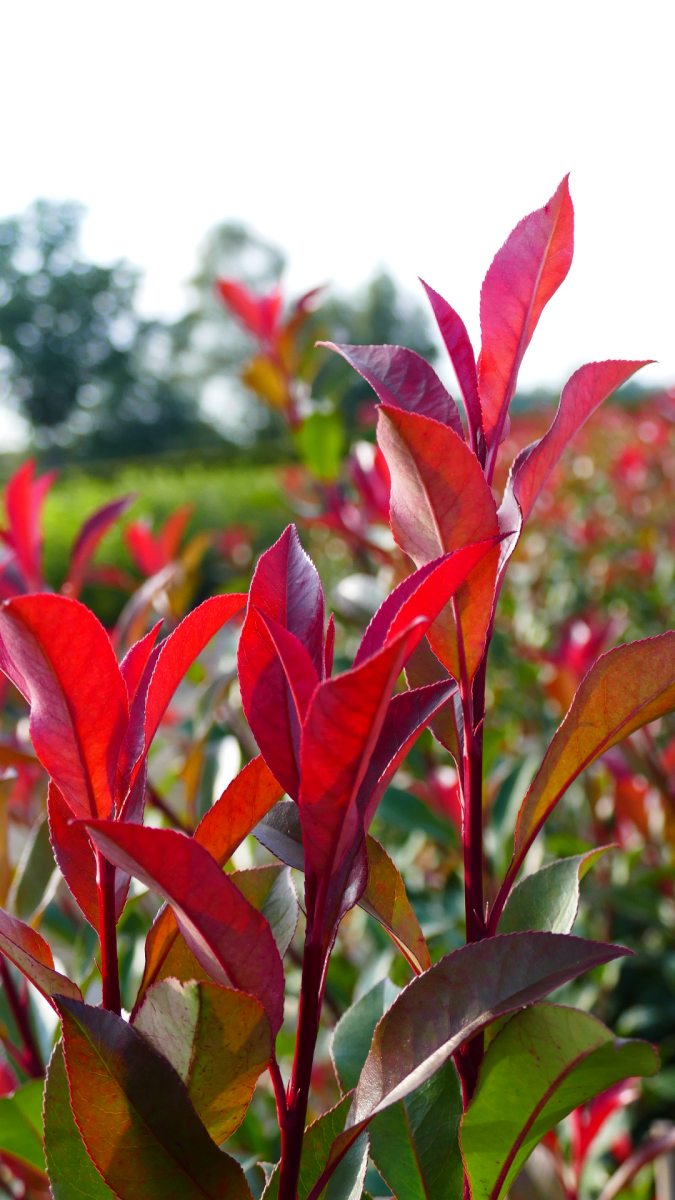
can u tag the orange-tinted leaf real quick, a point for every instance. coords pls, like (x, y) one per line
(135, 1116)
(60, 658)
(386, 899)
(217, 1040)
(524, 274)
(625, 689)
(440, 501)
(170, 535)
(29, 951)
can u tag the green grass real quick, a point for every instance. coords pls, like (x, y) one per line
(221, 494)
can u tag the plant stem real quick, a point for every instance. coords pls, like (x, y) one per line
(105, 883)
(30, 1060)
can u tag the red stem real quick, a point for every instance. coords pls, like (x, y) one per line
(30, 1060)
(105, 883)
(293, 1128)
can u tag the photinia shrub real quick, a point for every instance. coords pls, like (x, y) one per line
(450, 1083)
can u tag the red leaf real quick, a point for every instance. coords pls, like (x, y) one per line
(76, 859)
(60, 658)
(339, 737)
(231, 941)
(143, 548)
(524, 274)
(29, 951)
(458, 346)
(440, 501)
(422, 594)
(242, 805)
(136, 659)
(91, 533)
(403, 379)
(258, 314)
(287, 588)
(581, 395)
(181, 648)
(329, 648)
(298, 666)
(171, 533)
(24, 498)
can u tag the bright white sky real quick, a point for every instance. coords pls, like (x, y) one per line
(361, 134)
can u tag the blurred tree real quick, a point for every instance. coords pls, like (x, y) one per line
(91, 378)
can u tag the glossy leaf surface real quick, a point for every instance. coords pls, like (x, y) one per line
(217, 1040)
(625, 689)
(403, 379)
(271, 891)
(440, 501)
(340, 733)
(462, 993)
(60, 658)
(523, 277)
(354, 1031)
(29, 951)
(286, 588)
(548, 899)
(72, 1174)
(232, 941)
(135, 1117)
(547, 1061)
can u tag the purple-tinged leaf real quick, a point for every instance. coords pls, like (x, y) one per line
(403, 379)
(458, 346)
(287, 588)
(84, 546)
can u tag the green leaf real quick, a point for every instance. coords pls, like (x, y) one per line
(354, 1032)
(547, 1061)
(135, 1117)
(34, 872)
(548, 899)
(271, 890)
(451, 1002)
(21, 1124)
(218, 1041)
(414, 1144)
(72, 1174)
(321, 444)
(346, 1183)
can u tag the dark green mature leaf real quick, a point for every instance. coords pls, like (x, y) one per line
(72, 1174)
(347, 1181)
(548, 899)
(21, 1124)
(545, 1062)
(414, 1144)
(217, 1040)
(354, 1031)
(135, 1116)
(460, 995)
